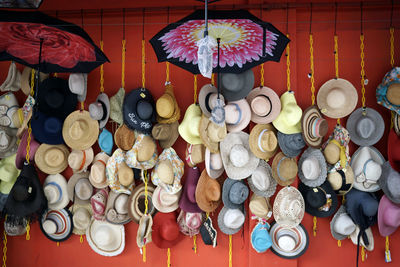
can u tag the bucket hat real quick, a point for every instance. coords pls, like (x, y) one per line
(341, 224)
(80, 190)
(261, 181)
(187, 201)
(105, 238)
(194, 154)
(189, 129)
(136, 202)
(167, 107)
(47, 129)
(57, 225)
(124, 137)
(260, 207)
(389, 183)
(312, 167)
(166, 134)
(105, 141)
(143, 154)
(100, 109)
(289, 120)
(166, 232)
(21, 151)
(213, 163)
(79, 160)
(366, 127)
(208, 96)
(97, 176)
(26, 79)
(288, 209)
(211, 134)
(237, 115)
(260, 238)
(78, 85)
(341, 180)
(388, 216)
(265, 105)
(230, 221)
(52, 159)
(13, 79)
(284, 169)
(314, 126)
(55, 190)
(234, 193)
(236, 86)
(291, 145)
(119, 174)
(116, 103)
(208, 193)
(117, 208)
(393, 150)
(263, 141)
(387, 91)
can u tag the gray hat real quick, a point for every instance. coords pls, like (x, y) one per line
(390, 183)
(230, 221)
(261, 181)
(236, 86)
(15, 228)
(291, 144)
(365, 129)
(341, 224)
(234, 193)
(312, 167)
(100, 109)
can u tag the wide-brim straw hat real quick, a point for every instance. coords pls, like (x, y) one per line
(284, 169)
(289, 207)
(97, 176)
(211, 134)
(52, 159)
(166, 133)
(237, 115)
(143, 154)
(26, 79)
(167, 107)
(81, 217)
(117, 208)
(263, 141)
(136, 202)
(314, 126)
(265, 105)
(105, 238)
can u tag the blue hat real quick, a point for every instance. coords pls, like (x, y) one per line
(260, 238)
(291, 144)
(362, 207)
(106, 141)
(392, 77)
(47, 129)
(234, 193)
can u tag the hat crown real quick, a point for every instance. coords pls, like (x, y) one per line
(54, 98)
(96, 111)
(391, 215)
(335, 98)
(268, 141)
(287, 168)
(54, 157)
(50, 226)
(212, 190)
(83, 189)
(294, 141)
(146, 149)
(315, 197)
(125, 174)
(97, 172)
(144, 109)
(344, 225)
(76, 159)
(311, 168)
(232, 82)
(261, 179)
(121, 203)
(216, 161)
(234, 218)
(259, 206)
(239, 155)
(261, 105)
(193, 220)
(102, 236)
(233, 113)
(167, 199)
(165, 106)
(5, 140)
(286, 242)
(393, 184)
(53, 192)
(52, 125)
(8, 172)
(238, 193)
(165, 172)
(81, 218)
(365, 127)
(161, 131)
(194, 126)
(78, 129)
(169, 230)
(216, 133)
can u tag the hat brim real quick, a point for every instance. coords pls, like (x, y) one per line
(300, 248)
(39, 129)
(275, 174)
(248, 81)
(244, 119)
(66, 216)
(254, 140)
(13, 146)
(62, 183)
(71, 186)
(387, 170)
(104, 158)
(309, 114)
(313, 153)
(121, 218)
(336, 235)
(41, 163)
(160, 206)
(119, 233)
(204, 94)
(272, 182)
(273, 99)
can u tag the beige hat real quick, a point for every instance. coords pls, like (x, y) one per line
(211, 134)
(167, 107)
(214, 165)
(260, 207)
(79, 160)
(143, 235)
(80, 131)
(337, 98)
(289, 207)
(370, 237)
(124, 137)
(26, 79)
(194, 154)
(143, 154)
(97, 176)
(336, 178)
(165, 133)
(237, 115)
(164, 201)
(52, 159)
(13, 80)
(119, 175)
(189, 129)
(263, 141)
(284, 169)
(136, 202)
(117, 208)
(79, 188)
(55, 190)
(81, 217)
(125, 175)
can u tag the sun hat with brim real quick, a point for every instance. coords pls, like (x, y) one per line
(208, 96)
(263, 142)
(291, 144)
(80, 190)
(79, 160)
(8, 171)
(213, 163)
(239, 162)
(234, 193)
(288, 209)
(136, 202)
(8, 141)
(116, 102)
(98, 202)
(47, 129)
(388, 216)
(189, 129)
(260, 207)
(341, 180)
(5, 187)
(166, 133)
(237, 115)
(393, 150)
(187, 201)
(55, 190)
(230, 221)
(289, 119)
(23, 115)
(143, 235)
(369, 236)
(97, 176)
(168, 171)
(314, 126)
(261, 181)
(284, 169)
(194, 154)
(9, 106)
(365, 126)
(117, 208)
(21, 152)
(79, 130)
(143, 154)
(396, 124)
(78, 85)
(337, 98)
(167, 107)
(260, 238)
(208, 193)
(289, 243)
(387, 90)
(113, 166)
(236, 86)
(165, 202)
(320, 201)
(105, 238)
(211, 134)
(312, 167)
(57, 225)
(190, 223)
(389, 182)
(166, 232)
(13, 228)
(100, 109)
(341, 224)
(13, 79)
(81, 217)
(26, 79)
(336, 148)
(124, 137)
(52, 159)
(139, 110)
(54, 98)
(105, 141)
(366, 163)
(265, 105)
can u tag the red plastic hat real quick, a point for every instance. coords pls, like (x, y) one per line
(166, 232)
(393, 149)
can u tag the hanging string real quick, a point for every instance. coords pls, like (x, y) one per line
(230, 250)
(287, 50)
(4, 249)
(388, 257)
(262, 75)
(32, 82)
(195, 88)
(168, 257)
(56, 74)
(166, 63)
(58, 244)
(83, 27)
(311, 41)
(102, 49)
(391, 37)
(28, 230)
(315, 226)
(207, 215)
(336, 53)
(195, 244)
(123, 50)
(143, 56)
(362, 61)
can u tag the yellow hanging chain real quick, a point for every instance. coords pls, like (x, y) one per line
(314, 226)
(28, 229)
(143, 64)
(312, 88)
(194, 244)
(146, 208)
(4, 249)
(167, 72)
(144, 253)
(168, 257)
(28, 143)
(362, 71)
(392, 46)
(123, 63)
(32, 82)
(81, 239)
(336, 56)
(212, 79)
(362, 254)
(388, 257)
(288, 65)
(195, 89)
(339, 243)
(55, 75)
(101, 70)
(207, 215)
(230, 250)
(262, 75)
(58, 244)
(387, 244)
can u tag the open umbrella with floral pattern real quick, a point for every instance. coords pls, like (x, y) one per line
(245, 40)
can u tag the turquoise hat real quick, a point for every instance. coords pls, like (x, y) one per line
(106, 141)
(260, 238)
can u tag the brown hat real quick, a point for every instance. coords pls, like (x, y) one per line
(166, 133)
(166, 106)
(211, 134)
(124, 137)
(263, 141)
(194, 154)
(260, 207)
(136, 202)
(52, 159)
(208, 193)
(284, 169)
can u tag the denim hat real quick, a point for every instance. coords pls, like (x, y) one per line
(47, 129)
(291, 144)
(106, 141)
(362, 208)
(234, 193)
(260, 238)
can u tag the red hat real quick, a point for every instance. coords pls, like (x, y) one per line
(166, 232)
(393, 149)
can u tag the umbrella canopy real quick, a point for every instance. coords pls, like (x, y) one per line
(242, 36)
(66, 47)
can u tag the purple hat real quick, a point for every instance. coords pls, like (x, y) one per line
(21, 152)
(388, 216)
(188, 201)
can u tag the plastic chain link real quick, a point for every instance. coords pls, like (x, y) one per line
(312, 88)
(288, 65)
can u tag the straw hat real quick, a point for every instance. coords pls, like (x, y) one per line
(208, 96)
(239, 162)
(213, 163)
(78, 85)
(260, 238)
(105, 238)
(336, 148)
(13, 80)
(79, 160)
(136, 202)
(314, 126)
(166, 232)
(26, 79)
(230, 221)
(289, 207)
(117, 208)
(21, 152)
(143, 235)
(260, 207)
(81, 217)
(341, 224)
(190, 223)
(98, 202)
(261, 181)
(47, 129)
(194, 154)
(143, 154)
(55, 190)
(164, 201)
(393, 150)
(10, 106)
(211, 134)
(265, 105)
(80, 190)
(337, 98)
(289, 120)
(389, 183)
(100, 109)
(236, 86)
(166, 133)
(56, 225)
(189, 129)
(80, 131)
(167, 107)
(234, 193)
(237, 115)
(263, 142)
(291, 144)
(119, 174)
(124, 137)
(341, 180)
(312, 167)
(188, 200)
(52, 159)
(284, 169)
(387, 91)
(97, 176)
(8, 141)
(116, 102)
(388, 216)
(208, 193)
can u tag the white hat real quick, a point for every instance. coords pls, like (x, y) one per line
(231, 220)
(289, 207)
(79, 160)
(97, 176)
(261, 181)
(214, 165)
(79, 188)
(78, 85)
(237, 115)
(370, 236)
(100, 110)
(55, 190)
(164, 201)
(8, 106)
(341, 224)
(13, 80)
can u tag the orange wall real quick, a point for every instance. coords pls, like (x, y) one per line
(323, 249)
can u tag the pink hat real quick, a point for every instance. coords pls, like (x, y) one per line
(21, 152)
(388, 216)
(188, 200)
(265, 105)
(99, 202)
(237, 115)
(190, 223)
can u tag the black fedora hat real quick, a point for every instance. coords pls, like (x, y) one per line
(47, 128)
(55, 98)
(139, 110)
(320, 201)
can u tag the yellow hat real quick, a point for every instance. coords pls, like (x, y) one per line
(289, 120)
(166, 106)
(189, 129)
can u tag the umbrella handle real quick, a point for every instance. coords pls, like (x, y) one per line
(37, 75)
(218, 67)
(264, 40)
(205, 17)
